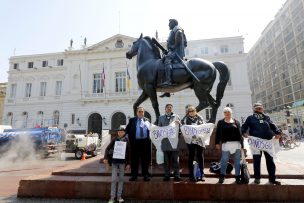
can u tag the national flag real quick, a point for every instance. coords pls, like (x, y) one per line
(128, 78)
(103, 78)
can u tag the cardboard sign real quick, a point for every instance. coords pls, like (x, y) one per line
(119, 150)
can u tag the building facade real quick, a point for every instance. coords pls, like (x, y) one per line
(276, 62)
(2, 99)
(88, 89)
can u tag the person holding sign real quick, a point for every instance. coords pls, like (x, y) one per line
(140, 143)
(229, 135)
(196, 146)
(261, 128)
(118, 151)
(170, 154)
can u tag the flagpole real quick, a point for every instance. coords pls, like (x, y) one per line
(128, 79)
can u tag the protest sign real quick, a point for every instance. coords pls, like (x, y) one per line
(197, 134)
(257, 144)
(119, 150)
(157, 134)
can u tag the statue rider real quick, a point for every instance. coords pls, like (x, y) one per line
(176, 44)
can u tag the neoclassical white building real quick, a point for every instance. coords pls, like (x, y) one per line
(87, 89)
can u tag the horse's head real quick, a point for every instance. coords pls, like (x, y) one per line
(134, 49)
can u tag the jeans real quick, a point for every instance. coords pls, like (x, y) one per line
(237, 160)
(120, 169)
(271, 168)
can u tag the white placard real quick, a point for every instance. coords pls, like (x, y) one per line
(157, 134)
(119, 150)
(257, 144)
(197, 134)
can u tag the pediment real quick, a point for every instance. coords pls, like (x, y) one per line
(115, 42)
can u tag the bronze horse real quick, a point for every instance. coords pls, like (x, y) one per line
(148, 62)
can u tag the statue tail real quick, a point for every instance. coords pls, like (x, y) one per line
(224, 78)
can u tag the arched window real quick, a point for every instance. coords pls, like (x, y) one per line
(25, 117)
(148, 115)
(56, 117)
(40, 116)
(9, 118)
(117, 120)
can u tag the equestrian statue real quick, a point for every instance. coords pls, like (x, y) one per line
(171, 73)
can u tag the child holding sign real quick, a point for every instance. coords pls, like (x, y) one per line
(118, 152)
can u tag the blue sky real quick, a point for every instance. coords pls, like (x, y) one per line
(43, 26)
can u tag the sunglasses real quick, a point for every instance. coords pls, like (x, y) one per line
(191, 111)
(140, 111)
(258, 108)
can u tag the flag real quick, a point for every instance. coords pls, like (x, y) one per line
(103, 78)
(128, 78)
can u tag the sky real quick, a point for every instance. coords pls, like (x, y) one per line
(46, 26)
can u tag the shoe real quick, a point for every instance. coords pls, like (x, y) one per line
(147, 179)
(166, 179)
(257, 181)
(120, 200)
(221, 180)
(274, 182)
(238, 180)
(177, 179)
(111, 201)
(133, 179)
(166, 94)
(202, 179)
(192, 179)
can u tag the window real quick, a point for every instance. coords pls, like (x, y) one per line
(73, 119)
(28, 89)
(60, 62)
(16, 65)
(58, 88)
(44, 63)
(120, 81)
(42, 89)
(13, 90)
(97, 83)
(224, 49)
(204, 51)
(30, 64)
(40, 118)
(56, 117)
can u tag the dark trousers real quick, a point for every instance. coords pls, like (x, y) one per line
(140, 149)
(271, 168)
(194, 148)
(171, 157)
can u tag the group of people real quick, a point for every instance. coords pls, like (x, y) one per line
(229, 138)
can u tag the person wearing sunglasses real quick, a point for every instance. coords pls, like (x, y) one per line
(230, 139)
(197, 146)
(260, 125)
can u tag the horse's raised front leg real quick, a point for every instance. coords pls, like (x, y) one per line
(151, 92)
(140, 100)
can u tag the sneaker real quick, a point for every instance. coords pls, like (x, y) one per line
(166, 179)
(111, 201)
(120, 200)
(133, 179)
(238, 180)
(221, 180)
(147, 179)
(274, 182)
(192, 179)
(177, 179)
(257, 181)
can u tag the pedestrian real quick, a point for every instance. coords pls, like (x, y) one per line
(261, 126)
(140, 144)
(170, 154)
(118, 164)
(196, 147)
(230, 139)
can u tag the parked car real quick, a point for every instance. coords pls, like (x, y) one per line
(84, 143)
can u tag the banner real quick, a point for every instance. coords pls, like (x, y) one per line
(197, 134)
(257, 144)
(119, 151)
(157, 134)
